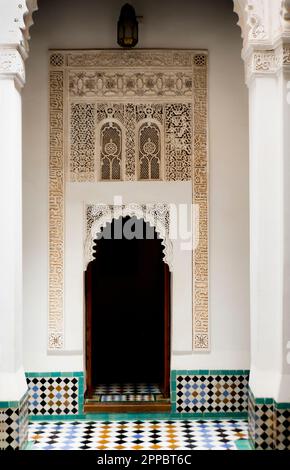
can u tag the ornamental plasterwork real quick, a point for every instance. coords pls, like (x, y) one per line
(263, 22)
(120, 84)
(156, 215)
(103, 104)
(255, 19)
(142, 58)
(265, 26)
(252, 20)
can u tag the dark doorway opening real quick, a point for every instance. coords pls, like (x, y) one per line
(128, 308)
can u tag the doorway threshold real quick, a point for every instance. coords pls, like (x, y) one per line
(128, 407)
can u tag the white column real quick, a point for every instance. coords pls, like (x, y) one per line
(12, 378)
(269, 227)
(284, 385)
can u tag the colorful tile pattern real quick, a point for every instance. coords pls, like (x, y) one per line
(282, 428)
(264, 427)
(9, 421)
(23, 421)
(138, 435)
(14, 425)
(55, 393)
(211, 392)
(269, 424)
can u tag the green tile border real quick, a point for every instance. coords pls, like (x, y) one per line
(282, 406)
(264, 401)
(12, 404)
(176, 372)
(141, 416)
(54, 374)
(9, 404)
(269, 401)
(81, 393)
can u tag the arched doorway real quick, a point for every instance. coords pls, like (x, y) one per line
(128, 315)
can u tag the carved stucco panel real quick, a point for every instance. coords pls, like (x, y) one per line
(173, 95)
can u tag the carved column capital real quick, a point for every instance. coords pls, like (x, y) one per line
(12, 65)
(267, 62)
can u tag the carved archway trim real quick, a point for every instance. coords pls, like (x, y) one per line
(156, 215)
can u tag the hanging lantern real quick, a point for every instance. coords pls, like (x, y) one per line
(127, 27)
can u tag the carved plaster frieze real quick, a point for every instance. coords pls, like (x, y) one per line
(113, 58)
(102, 83)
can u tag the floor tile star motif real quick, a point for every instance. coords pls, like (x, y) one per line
(138, 435)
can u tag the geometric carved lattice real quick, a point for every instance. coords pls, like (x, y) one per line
(130, 115)
(111, 151)
(82, 142)
(149, 152)
(178, 141)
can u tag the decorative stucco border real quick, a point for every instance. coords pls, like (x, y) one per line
(56, 211)
(200, 200)
(58, 61)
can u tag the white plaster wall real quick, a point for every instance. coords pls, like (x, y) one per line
(204, 24)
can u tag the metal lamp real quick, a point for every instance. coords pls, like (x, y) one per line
(127, 27)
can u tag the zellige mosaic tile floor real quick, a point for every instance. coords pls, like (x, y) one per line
(137, 435)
